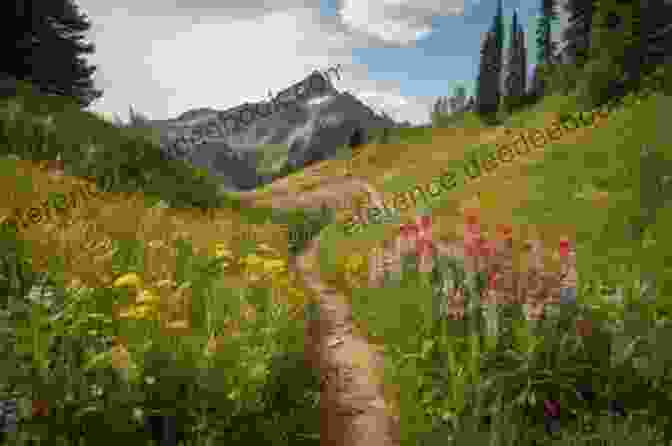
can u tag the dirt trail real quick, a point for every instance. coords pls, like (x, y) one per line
(353, 409)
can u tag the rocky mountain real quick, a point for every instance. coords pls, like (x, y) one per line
(311, 118)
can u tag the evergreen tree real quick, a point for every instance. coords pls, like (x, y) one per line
(577, 34)
(498, 29)
(487, 84)
(49, 48)
(546, 47)
(517, 66)
(635, 36)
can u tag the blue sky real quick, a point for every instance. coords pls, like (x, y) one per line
(398, 56)
(448, 57)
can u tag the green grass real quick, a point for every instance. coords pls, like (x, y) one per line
(36, 127)
(249, 393)
(438, 405)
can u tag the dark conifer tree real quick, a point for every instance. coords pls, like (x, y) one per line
(577, 34)
(516, 67)
(49, 48)
(487, 83)
(546, 47)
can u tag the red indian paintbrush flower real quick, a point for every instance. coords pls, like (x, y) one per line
(564, 248)
(485, 248)
(472, 235)
(424, 247)
(413, 232)
(424, 225)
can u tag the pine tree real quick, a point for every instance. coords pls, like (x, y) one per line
(49, 48)
(578, 32)
(487, 84)
(636, 36)
(546, 47)
(519, 60)
(498, 29)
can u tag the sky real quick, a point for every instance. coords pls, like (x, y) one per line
(164, 57)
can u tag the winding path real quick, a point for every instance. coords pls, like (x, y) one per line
(353, 410)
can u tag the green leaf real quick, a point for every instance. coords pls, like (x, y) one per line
(101, 360)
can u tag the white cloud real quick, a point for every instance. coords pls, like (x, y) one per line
(170, 63)
(399, 22)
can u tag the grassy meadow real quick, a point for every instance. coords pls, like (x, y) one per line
(152, 286)
(122, 294)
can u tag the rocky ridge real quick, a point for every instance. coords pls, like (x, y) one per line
(311, 118)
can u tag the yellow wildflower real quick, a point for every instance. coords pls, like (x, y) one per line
(129, 313)
(252, 277)
(274, 265)
(354, 262)
(263, 247)
(131, 279)
(146, 297)
(252, 259)
(143, 311)
(221, 251)
(166, 283)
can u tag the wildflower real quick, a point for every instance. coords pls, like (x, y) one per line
(552, 408)
(564, 248)
(166, 283)
(221, 251)
(552, 416)
(128, 313)
(424, 225)
(413, 233)
(485, 248)
(274, 265)
(405, 238)
(263, 247)
(252, 259)
(472, 236)
(425, 251)
(131, 279)
(146, 297)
